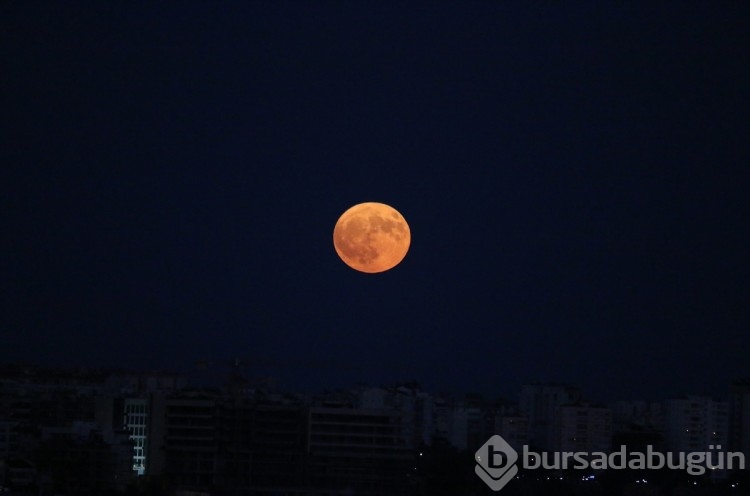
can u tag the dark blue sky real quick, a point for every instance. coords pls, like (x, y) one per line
(575, 176)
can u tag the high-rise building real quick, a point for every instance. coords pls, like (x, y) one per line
(261, 447)
(739, 414)
(182, 442)
(583, 427)
(693, 423)
(637, 415)
(697, 424)
(8, 439)
(358, 450)
(514, 428)
(135, 421)
(540, 404)
(416, 407)
(466, 425)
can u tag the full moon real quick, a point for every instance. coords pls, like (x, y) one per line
(371, 237)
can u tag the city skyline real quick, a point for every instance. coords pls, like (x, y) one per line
(224, 376)
(141, 432)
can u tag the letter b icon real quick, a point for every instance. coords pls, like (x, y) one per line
(496, 458)
(496, 463)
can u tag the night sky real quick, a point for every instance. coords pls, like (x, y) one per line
(575, 176)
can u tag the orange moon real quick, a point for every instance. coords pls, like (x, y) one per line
(371, 237)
